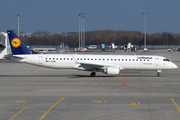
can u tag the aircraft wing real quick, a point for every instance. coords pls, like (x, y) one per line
(96, 66)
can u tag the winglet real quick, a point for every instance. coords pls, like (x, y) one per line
(17, 46)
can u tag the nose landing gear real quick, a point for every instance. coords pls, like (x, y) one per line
(158, 73)
(93, 74)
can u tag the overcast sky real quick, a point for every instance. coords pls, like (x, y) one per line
(58, 16)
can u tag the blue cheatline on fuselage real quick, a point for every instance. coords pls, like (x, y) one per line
(17, 46)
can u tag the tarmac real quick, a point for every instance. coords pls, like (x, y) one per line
(34, 93)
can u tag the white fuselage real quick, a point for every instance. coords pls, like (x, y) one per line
(74, 61)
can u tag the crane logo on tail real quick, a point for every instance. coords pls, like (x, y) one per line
(15, 42)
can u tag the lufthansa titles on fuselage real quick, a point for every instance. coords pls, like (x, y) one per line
(144, 57)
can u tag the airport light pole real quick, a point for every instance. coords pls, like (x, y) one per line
(84, 30)
(81, 30)
(18, 22)
(167, 39)
(144, 29)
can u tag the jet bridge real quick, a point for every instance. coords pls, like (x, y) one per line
(4, 45)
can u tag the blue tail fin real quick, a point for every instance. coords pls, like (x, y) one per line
(17, 46)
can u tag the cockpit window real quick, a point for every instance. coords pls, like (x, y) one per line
(166, 60)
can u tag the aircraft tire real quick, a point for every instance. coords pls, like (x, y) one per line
(93, 74)
(158, 75)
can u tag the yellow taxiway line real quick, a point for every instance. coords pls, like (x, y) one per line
(133, 103)
(18, 84)
(18, 113)
(147, 85)
(99, 101)
(19, 101)
(176, 105)
(50, 109)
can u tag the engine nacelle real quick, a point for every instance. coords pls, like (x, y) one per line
(112, 71)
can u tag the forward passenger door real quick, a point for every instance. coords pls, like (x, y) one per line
(156, 61)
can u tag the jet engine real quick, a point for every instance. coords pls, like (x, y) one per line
(112, 71)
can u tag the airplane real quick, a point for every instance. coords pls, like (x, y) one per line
(108, 64)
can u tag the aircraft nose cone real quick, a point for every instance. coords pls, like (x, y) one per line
(174, 66)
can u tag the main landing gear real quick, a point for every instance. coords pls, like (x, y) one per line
(158, 73)
(93, 74)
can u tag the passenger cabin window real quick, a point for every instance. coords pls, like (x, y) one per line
(60, 58)
(71, 58)
(49, 58)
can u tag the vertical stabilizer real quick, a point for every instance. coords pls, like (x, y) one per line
(17, 46)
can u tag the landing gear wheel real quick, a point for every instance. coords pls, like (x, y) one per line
(93, 74)
(158, 74)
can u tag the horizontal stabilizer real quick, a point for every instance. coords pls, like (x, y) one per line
(10, 57)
